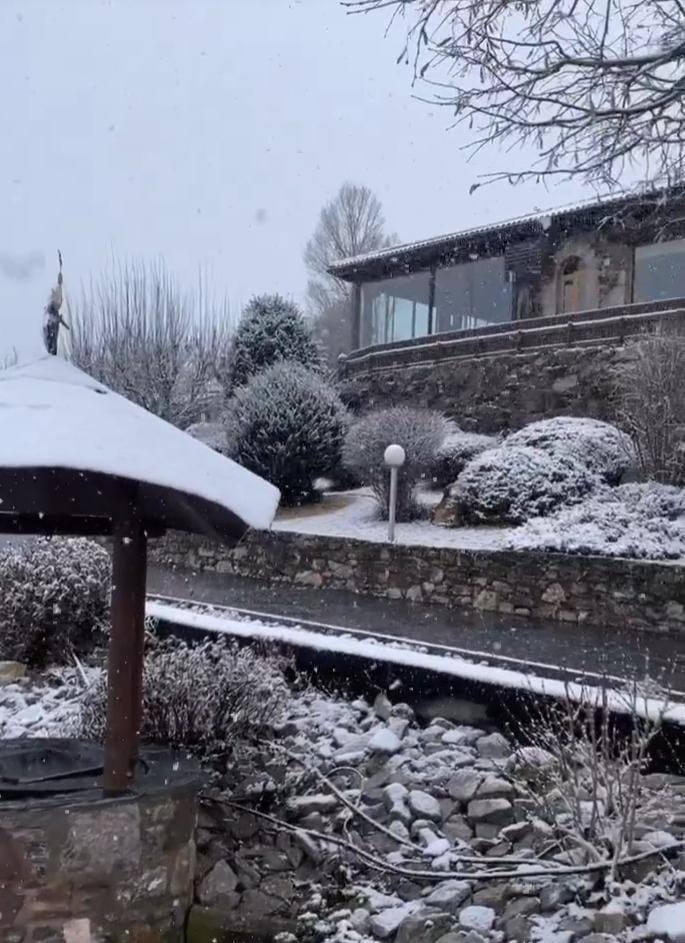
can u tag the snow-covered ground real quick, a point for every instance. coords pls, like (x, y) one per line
(43, 706)
(354, 514)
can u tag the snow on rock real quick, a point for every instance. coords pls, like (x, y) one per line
(384, 741)
(668, 922)
(54, 415)
(42, 707)
(477, 918)
(449, 895)
(386, 922)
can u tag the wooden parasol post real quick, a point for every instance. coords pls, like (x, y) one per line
(129, 559)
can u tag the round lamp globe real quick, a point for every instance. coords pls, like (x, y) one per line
(394, 456)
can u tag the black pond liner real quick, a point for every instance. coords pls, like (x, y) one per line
(47, 768)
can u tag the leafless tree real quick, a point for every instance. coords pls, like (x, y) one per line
(594, 86)
(652, 405)
(138, 333)
(350, 224)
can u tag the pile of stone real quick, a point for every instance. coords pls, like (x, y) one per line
(432, 808)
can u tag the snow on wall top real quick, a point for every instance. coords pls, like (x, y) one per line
(52, 415)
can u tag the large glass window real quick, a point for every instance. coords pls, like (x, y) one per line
(472, 294)
(395, 309)
(660, 271)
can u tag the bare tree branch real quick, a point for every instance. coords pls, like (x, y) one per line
(135, 331)
(596, 87)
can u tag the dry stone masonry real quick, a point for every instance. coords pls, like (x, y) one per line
(643, 595)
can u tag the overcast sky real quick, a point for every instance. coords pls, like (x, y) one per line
(210, 133)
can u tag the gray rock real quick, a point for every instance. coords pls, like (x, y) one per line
(518, 929)
(11, 671)
(382, 707)
(402, 710)
(399, 726)
(553, 896)
(359, 920)
(308, 845)
(462, 736)
(477, 918)
(449, 895)
(522, 906)
(495, 811)
(220, 881)
(610, 919)
(424, 926)
(457, 829)
(494, 745)
(580, 926)
(493, 787)
(463, 784)
(385, 741)
(596, 938)
(488, 831)
(424, 806)
(394, 792)
(386, 922)
(494, 896)
(299, 806)
(400, 829)
(255, 903)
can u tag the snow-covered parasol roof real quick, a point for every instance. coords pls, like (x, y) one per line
(55, 417)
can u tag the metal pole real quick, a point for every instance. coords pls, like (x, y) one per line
(392, 508)
(125, 648)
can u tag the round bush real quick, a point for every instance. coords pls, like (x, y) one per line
(456, 451)
(509, 485)
(603, 448)
(201, 697)
(418, 431)
(287, 425)
(54, 598)
(270, 330)
(642, 521)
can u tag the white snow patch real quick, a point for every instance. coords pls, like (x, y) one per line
(668, 921)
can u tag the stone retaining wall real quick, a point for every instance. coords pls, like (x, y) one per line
(500, 391)
(622, 593)
(107, 870)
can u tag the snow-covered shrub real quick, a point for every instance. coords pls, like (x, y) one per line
(418, 431)
(287, 425)
(456, 451)
(509, 485)
(652, 404)
(54, 597)
(271, 329)
(603, 448)
(643, 521)
(201, 697)
(212, 434)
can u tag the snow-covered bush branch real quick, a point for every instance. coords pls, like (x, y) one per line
(54, 597)
(419, 432)
(138, 333)
(200, 697)
(652, 405)
(457, 450)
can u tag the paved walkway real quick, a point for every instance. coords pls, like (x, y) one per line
(627, 654)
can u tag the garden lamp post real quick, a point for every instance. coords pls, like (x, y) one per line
(393, 457)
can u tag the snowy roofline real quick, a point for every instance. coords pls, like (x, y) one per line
(347, 267)
(51, 419)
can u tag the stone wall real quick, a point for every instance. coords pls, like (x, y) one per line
(106, 870)
(500, 391)
(623, 593)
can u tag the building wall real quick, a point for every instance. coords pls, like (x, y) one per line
(605, 277)
(624, 594)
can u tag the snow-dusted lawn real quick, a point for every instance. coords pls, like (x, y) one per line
(354, 514)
